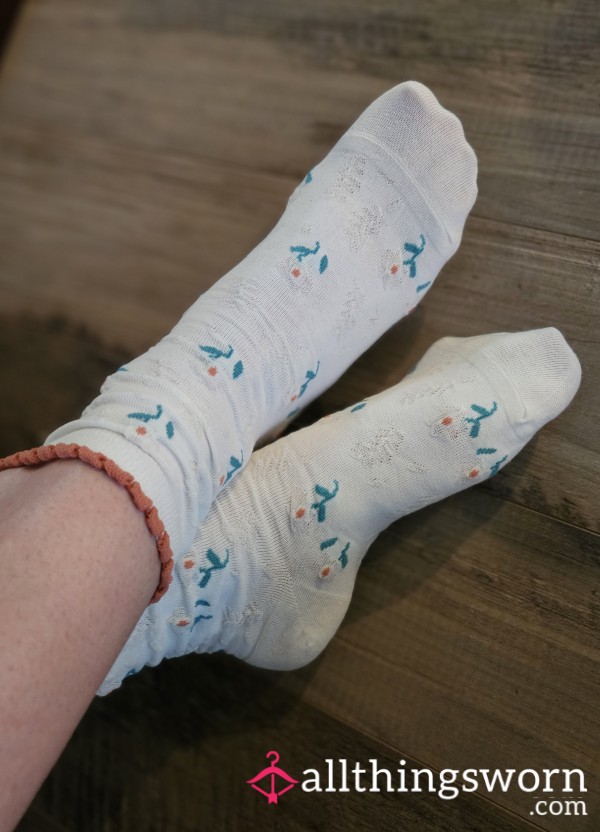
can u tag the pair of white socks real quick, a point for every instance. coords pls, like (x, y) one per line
(272, 569)
(266, 546)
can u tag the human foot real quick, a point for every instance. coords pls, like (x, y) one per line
(273, 566)
(360, 242)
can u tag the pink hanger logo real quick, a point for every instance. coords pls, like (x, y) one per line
(269, 775)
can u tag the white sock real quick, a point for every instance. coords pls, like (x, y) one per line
(360, 242)
(272, 568)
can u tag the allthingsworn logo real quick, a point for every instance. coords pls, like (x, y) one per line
(273, 778)
(553, 791)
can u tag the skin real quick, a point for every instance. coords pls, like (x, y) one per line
(78, 568)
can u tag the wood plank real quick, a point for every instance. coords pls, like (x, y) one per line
(475, 623)
(175, 747)
(8, 13)
(517, 80)
(43, 356)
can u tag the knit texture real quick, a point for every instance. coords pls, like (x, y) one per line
(359, 244)
(272, 568)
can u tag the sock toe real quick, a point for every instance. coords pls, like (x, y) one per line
(542, 368)
(429, 143)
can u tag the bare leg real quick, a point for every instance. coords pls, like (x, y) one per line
(78, 567)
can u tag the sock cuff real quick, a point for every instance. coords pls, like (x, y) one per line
(48, 453)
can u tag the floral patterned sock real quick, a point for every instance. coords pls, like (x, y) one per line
(359, 244)
(272, 568)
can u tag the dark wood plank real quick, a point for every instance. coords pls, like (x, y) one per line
(8, 14)
(210, 722)
(43, 353)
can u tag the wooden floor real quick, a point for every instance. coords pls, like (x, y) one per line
(145, 147)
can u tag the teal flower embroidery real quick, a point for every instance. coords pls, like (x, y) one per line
(235, 464)
(414, 251)
(326, 496)
(215, 353)
(496, 466)
(304, 251)
(483, 414)
(215, 564)
(342, 557)
(201, 603)
(148, 417)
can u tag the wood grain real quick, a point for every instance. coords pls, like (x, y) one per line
(145, 147)
(468, 644)
(211, 721)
